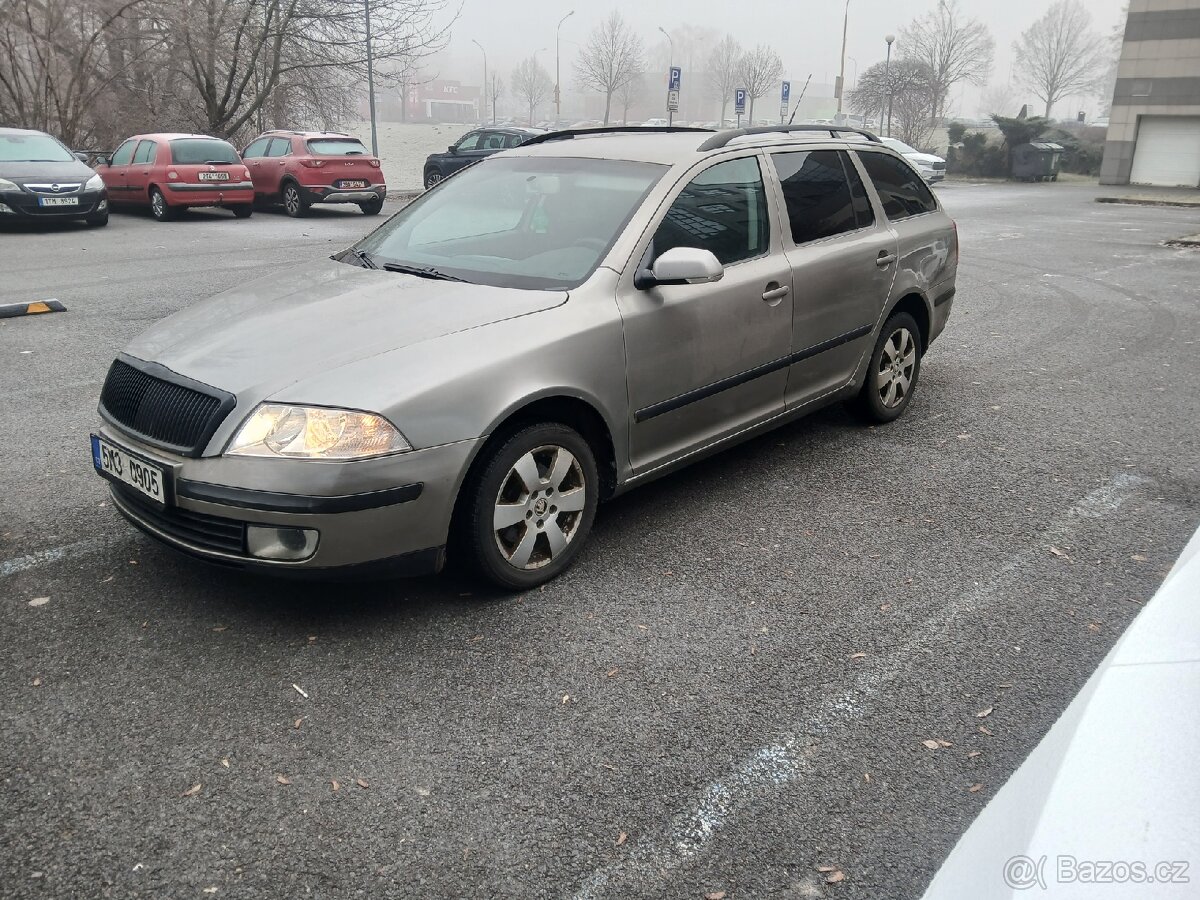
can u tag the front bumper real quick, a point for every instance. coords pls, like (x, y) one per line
(24, 205)
(330, 194)
(391, 514)
(234, 193)
(933, 176)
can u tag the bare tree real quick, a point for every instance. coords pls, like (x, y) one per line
(759, 70)
(495, 91)
(612, 57)
(902, 90)
(629, 94)
(954, 49)
(1060, 54)
(531, 84)
(999, 99)
(1115, 42)
(723, 68)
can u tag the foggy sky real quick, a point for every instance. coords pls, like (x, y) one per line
(807, 35)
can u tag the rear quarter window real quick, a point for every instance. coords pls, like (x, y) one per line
(901, 190)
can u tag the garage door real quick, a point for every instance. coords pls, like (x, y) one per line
(1168, 151)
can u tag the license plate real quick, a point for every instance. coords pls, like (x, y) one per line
(119, 464)
(351, 184)
(214, 176)
(58, 201)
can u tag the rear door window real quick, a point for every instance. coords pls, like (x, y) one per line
(124, 154)
(901, 190)
(817, 193)
(723, 209)
(145, 152)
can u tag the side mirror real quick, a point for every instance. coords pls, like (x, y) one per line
(453, 148)
(81, 155)
(102, 161)
(681, 265)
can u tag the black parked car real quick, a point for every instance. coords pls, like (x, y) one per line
(472, 147)
(41, 179)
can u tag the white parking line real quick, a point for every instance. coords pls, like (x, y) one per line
(55, 554)
(690, 832)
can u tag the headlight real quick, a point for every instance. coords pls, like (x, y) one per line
(6, 185)
(315, 432)
(95, 183)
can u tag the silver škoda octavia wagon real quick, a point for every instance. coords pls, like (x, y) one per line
(547, 328)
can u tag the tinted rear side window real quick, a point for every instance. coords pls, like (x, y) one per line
(337, 147)
(724, 210)
(900, 188)
(198, 151)
(819, 204)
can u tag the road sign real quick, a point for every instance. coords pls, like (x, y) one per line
(676, 77)
(739, 101)
(785, 97)
(673, 101)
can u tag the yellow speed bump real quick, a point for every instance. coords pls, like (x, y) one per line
(9, 310)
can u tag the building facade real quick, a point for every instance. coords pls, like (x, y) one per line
(1154, 127)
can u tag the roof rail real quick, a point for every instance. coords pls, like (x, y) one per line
(570, 133)
(720, 139)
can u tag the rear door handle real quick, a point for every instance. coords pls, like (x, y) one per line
(885, 259)
(776, 293)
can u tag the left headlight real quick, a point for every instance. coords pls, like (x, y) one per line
(95, 183)
(6, 185)
(315, 432)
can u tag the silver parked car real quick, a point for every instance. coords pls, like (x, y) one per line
(552, 326)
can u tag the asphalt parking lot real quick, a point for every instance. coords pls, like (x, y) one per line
(729, 690)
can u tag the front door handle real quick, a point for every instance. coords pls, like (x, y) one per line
(778, 292)
(885, 259)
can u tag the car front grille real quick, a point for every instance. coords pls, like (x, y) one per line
(193, 529)
(54, 188)
(939, 165)
(161, 407)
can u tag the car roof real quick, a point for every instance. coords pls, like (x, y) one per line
(673, 147)
(23, 131)
(173, 136)
(308, 135)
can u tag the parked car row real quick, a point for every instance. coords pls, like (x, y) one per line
(169, 172)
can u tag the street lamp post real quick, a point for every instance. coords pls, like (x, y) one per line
(887, 77)
(370, 78)
(486, 87)
(842, 71)
(557, 87)
(670, 65)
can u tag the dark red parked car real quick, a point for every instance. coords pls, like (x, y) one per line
(300, 168)
(170, 172)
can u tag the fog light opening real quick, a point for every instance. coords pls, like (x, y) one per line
(102, 205)
(5, 208)
(271, 542)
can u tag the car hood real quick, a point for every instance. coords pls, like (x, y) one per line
(49, 172)
(924, 157)
(259, 338)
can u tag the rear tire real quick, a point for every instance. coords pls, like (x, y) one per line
(97, 220)
(159, 207)
(371, 207)
(892, 373)
(243, 210)
(541, 486)
(294, 203)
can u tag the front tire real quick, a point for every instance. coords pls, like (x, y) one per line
(159, 207)
(98, 220)
(432, 177)
(893, 371)
(294, 203)
(531, 506)
(371, 207)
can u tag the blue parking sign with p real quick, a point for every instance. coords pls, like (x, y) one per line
(739, 101)
(676, 76)
(787, 91)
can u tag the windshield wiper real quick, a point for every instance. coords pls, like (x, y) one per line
(422, 271)
(362, 257)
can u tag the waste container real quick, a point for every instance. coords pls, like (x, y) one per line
(1037, 161)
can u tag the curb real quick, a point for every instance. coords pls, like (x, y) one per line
(1132, 201)
(11, 310)
(1192, 240)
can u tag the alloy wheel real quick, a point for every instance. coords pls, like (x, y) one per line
(432, 178)
(897, 364)
(291, 200)
(539, 507)
(158, 205)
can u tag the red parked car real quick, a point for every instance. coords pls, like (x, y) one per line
(170, 172)
(300, 168)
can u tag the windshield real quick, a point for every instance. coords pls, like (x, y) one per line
(32, 148)
(900, 145)
(535, 222)
(337, 147)
(198, 151)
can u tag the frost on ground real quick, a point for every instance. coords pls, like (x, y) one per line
(403, 147)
